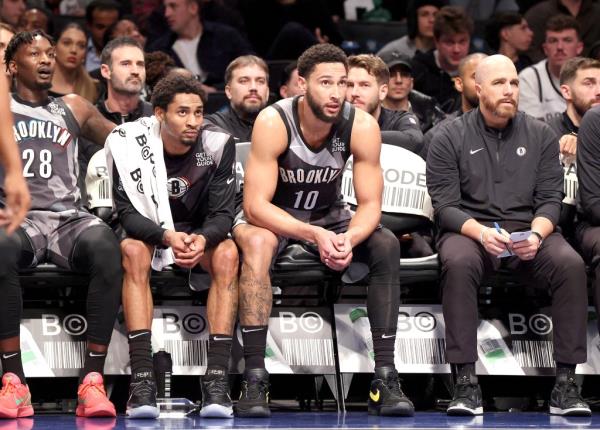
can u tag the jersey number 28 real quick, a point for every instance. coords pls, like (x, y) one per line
(45, 163)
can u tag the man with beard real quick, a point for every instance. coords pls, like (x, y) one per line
(367, 87)
(580, 87)
(465, 85)
(123, 67)
(292, 193)
(199, 173)
(582, 91)
(496, 165)
(247, 88)
(57, 228)
(540, 84)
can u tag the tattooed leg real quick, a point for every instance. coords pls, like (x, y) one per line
(258, 246)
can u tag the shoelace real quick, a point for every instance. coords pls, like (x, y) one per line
(572, 390)
(9, 388)
(393, 384)
(92, 386)
(463, 387)
(254, 391)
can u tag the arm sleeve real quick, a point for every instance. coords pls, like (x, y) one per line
(135, 224)
(221, 199)
(549, 187)
(443, 183)
(588, 165)
(412, 136)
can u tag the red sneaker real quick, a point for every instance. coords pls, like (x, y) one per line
(91, 398)
(15, 398)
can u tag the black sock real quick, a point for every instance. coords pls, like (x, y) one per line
(384, 345)
(255, 343)
(93, 362)
(140, 355)
(219, 350)
(565, 370)
(465, 370)
(11, 362)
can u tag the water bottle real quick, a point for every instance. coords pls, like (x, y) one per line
(163, 368)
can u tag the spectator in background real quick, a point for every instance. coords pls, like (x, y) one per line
(6, 33)
(36, 19)
(540, 83)
(158, 65)
(586, 12)
(465, 85)
(70, 76)
(402, 97)
(125, 27)
(420, 19)
(289, 86)
(203, 47)
(508, 33)
(99, 15)
(247, 88)
(123, 67)
(11, 11)
(367, 86)
(434, 70)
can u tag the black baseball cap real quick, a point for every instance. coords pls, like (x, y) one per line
(394, 58)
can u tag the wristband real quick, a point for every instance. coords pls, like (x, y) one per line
(539, 236)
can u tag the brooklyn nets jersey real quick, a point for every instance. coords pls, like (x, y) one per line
(308, 184)
(47, 136)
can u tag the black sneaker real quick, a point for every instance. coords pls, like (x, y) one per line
(467, 399)
(142, 400)
(386, 397)
(254, 398)
(216, 402)
(565, 398)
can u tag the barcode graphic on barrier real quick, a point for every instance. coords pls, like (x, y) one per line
(64, 355)
(571, 186)
(104, 189)
(308, 352)
(533, 353)
(421, 351)
(490, 345)
(392, 196)
(187, 352)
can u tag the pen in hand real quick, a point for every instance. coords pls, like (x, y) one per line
(499, 230)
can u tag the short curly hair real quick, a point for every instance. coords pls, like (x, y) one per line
(317, 54)
(23, 38)
(167, 88)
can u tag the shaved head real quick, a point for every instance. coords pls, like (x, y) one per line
(497, 85)
(492, 64)
(469, 62)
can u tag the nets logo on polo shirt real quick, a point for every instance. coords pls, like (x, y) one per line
(177, 187)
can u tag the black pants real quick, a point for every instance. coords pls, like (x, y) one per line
(588, 238)
(96, 252)
(381, 252)
(556, 266)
